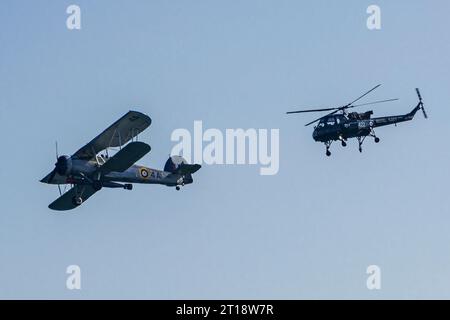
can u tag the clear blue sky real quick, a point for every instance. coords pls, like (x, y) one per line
(308, 232)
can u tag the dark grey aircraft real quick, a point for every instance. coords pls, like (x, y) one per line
(342, 126)
(91, 168)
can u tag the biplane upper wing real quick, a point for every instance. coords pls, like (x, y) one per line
(119, 133)
(64, 202)
(125, 158)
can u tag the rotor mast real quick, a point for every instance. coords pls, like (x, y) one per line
(342, 108)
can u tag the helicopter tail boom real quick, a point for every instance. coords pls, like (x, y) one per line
(384, 121)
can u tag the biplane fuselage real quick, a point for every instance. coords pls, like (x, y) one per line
(88, 170)
(134, 174)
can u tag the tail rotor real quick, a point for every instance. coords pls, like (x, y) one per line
(421, 104)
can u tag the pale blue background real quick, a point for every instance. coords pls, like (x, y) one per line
(308, 232)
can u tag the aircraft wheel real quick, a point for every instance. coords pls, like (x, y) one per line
(77, 200)
(344, 144)
(360, 149)
(177, 188)
(128, 186)
(328, 153)
(377, 139)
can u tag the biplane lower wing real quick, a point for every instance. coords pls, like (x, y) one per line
(65, 202)
(125, 158)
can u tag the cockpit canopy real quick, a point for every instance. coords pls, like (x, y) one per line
(333, 120)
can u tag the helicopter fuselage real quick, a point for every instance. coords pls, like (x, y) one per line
(82, 172)
(341, 127)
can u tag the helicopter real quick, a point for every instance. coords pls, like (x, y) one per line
(340, 125)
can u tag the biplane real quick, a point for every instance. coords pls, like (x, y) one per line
(92, 168)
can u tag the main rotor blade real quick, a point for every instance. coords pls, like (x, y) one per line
(311, 110)
(330, 114)
(365, 94)
(374, 102)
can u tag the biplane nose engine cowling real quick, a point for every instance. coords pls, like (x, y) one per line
(63, 165)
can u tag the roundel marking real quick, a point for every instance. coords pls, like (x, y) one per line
(144, 173)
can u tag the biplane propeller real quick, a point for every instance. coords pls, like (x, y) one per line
(91, 168)
(60, 167)
(340, 125)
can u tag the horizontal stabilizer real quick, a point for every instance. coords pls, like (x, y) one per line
(185, 168)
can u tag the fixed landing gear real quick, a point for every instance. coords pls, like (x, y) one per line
(372, 134)
(362, 138)
(77, 200)
(360, 142)
(328, 145)
(343, 141)
(177, 188)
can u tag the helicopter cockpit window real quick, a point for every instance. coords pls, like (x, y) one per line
(331, 121)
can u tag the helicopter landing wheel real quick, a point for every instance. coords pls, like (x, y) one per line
(77, 200)
(327, 146)
(377, 139)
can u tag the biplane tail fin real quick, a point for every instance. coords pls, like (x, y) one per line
(178, 165)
